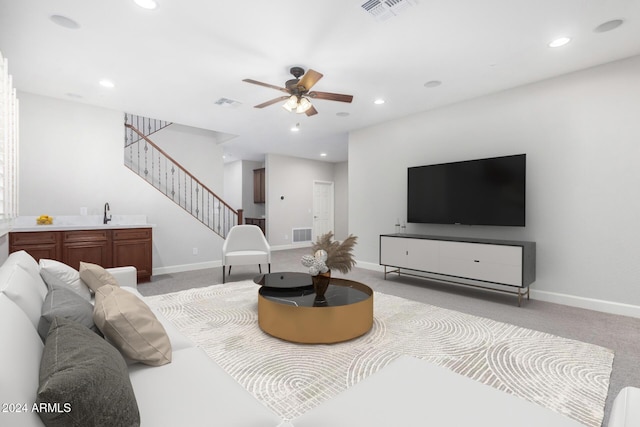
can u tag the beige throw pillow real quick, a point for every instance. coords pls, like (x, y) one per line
(95, 276)
(130, 325)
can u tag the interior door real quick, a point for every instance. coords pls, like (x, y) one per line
(322, 208)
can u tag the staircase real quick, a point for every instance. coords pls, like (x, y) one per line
(145, 127)
(156, 167)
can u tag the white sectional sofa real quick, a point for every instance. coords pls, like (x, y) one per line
(626, 408)
(192, 390)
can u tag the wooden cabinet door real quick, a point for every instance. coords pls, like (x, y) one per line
(40, 251)
(133, 247)
(38, 244)
(86, 246)
(93, 252)
(259, 185)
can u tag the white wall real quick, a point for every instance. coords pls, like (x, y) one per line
(238, 187)
(71, 155)
(291, 178)
(233, 184)
(252, 210)
(581, 134)
(341, 178)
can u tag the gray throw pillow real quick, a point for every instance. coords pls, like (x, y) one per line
(64, 302)
(84, 380)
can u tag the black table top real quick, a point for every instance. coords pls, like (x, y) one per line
(340, 292)
(284, 280)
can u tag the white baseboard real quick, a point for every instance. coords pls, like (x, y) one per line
(213, 264)
(369, 266)
(588, 303)
(291, 246)
(187, 267)
(558, 298)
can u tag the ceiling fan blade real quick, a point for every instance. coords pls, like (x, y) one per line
(331, 96)
(311, 111)
(309, 79)
(273, 101)
(255, 82)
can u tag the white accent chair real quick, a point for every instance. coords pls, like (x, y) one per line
(245, 245)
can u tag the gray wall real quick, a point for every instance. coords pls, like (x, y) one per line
(71, 155)
(233, 184)
(341, 178)
(581, 134)
(238, 187)
(252, 210)
(293, 178)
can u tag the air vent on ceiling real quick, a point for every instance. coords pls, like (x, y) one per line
(382, 10)
(301, 235)
(385, 9)
(226, 102)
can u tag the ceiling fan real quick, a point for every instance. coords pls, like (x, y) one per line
(298, 92)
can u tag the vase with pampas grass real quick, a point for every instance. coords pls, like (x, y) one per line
(328, 254)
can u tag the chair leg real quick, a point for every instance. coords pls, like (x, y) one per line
(260, 268)
(269, 267)
(224, 269)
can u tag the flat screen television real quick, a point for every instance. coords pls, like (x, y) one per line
(474, 192)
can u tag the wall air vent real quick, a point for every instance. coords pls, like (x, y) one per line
(382, 10)
(301, 235)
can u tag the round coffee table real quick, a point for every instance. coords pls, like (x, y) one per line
(292, 312)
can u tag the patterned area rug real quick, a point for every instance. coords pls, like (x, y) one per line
(567, 376)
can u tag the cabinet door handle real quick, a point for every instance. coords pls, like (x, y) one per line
(476, 260)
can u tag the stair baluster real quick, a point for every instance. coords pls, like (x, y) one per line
(152, 164)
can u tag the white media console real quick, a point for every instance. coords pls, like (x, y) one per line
(500, 265)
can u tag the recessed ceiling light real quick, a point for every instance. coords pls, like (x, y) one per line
(342, 114)
(608, 26)
(147, 4)
(65, 22)
(295, 128)
(379, 101)
(107, 83)
(561, 41)
(433, 83)
(323, 154)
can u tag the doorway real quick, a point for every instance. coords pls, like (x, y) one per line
(322, 208)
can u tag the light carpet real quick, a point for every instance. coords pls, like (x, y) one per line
(567, 376)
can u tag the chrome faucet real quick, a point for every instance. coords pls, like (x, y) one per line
(106, 218)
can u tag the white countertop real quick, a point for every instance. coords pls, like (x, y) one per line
(81, 222)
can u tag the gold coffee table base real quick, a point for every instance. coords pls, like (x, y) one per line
(317, 325)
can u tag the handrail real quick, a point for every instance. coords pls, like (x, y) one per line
(164, 174)
(164, 153)
(149, 126)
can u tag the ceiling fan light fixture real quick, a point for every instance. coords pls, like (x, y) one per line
(291, 104)
(303, 105)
